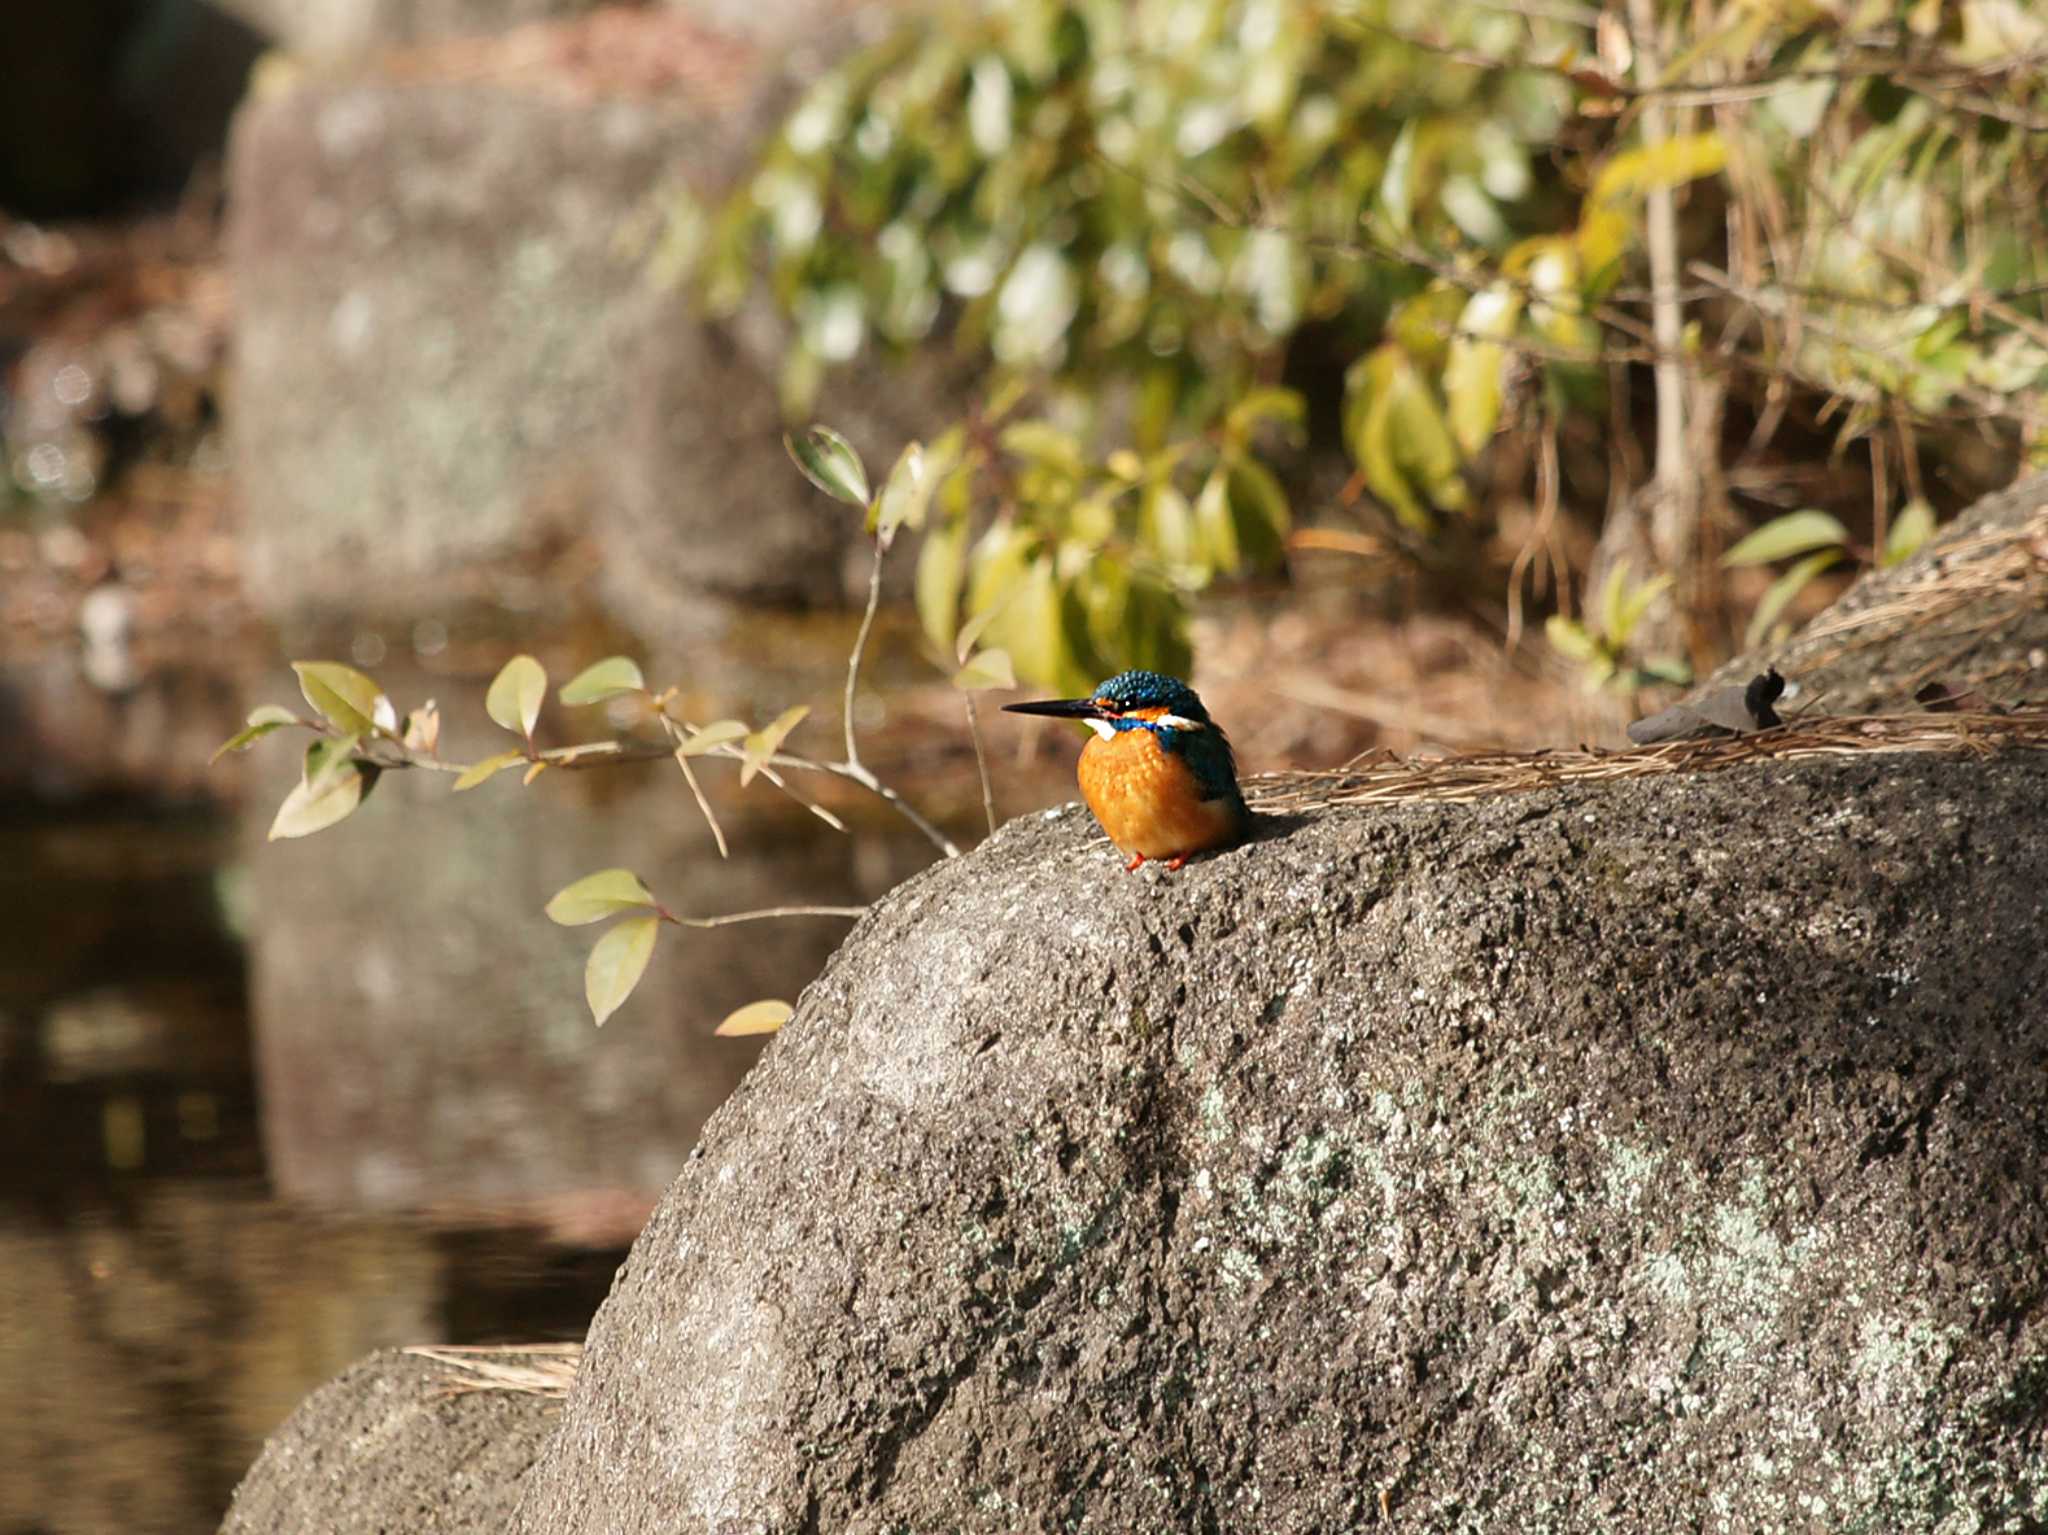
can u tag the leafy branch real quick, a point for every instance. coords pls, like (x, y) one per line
(358, 736)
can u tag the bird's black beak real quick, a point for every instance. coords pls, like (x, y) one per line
(1062, 708)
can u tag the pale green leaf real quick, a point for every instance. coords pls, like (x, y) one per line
(988, 669)
(1257, 407)
(1653, 167)
(1783, 537)
(1475, 367)
(516, 694)
(261, 722)
(604, 679)
(1569, 638)
(1909, 530)
(1042, 443)
(755, 1018)
(326, 759)
(484, 771)
(1783, 590)
(597, 896)
(766, 741)
(717, 733)
(344, 696)
(308, 809)
(1213, 522)
(906, 494)
(1397, 182)
(941, 573)
(617, 963)
(829, 462)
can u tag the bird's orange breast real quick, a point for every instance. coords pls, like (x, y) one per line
(1148, 799)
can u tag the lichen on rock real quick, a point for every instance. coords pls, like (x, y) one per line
(1612, 1157)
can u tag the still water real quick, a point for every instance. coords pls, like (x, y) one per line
(265, 1107)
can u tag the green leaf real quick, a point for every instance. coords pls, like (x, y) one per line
(516, 694)
(1282, 407)
(326, 759)
(314, 807)
(484, 771)
(717, 733)
(1473, 371)
(605, 679)
(766, 741)
(1260, 505)
(1783, 590)
(1671, 163)
(941, 573)
(829, 462)
(1910, 529)
(1782, 537)
(1042, 443)
(261, 722)
(755, 1018)
(597, 896)
(1636, 604)
(1213, 522)
(344, 696)
(906, 494)
(1569, 638)
(988, 669)
(1397, 182)
(617, 963)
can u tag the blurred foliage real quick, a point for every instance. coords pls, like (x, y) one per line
(1133, 207)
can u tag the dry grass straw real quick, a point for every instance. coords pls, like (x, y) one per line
(1379, 780)
(525, 1369)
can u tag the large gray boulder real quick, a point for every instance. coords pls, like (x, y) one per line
(1655, 1155)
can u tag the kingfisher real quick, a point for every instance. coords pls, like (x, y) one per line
(1159, 774)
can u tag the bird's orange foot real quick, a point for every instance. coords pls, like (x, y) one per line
(1178, 862)
(1136, 859)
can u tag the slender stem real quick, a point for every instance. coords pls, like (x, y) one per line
(765, 912)
(860, 775)
(988, 795)
(860, 645)
(697, 789)
(1660, 235)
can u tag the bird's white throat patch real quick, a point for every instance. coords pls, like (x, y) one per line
(1102, 728)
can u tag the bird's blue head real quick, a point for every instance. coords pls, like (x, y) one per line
(1133, 692)
(1165, 707)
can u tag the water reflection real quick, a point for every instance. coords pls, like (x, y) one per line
(421, 1139)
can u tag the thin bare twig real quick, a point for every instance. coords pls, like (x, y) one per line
(764, 913)
(988, 795)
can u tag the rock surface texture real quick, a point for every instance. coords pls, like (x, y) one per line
(1662, 1155)
(395, 1443)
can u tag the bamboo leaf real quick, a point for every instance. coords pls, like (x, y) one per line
(1783, 590)
(486, 770)
(345, 697)
(516, 694)
(989, 669)
(829, 462)
(941, 572)
(1397, 182)
(1912, 528)
(597, 896)
(1474, 370)
(601, 680)
(755, 1018)
(617, 963)
(1783, 537)
(766, 741)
